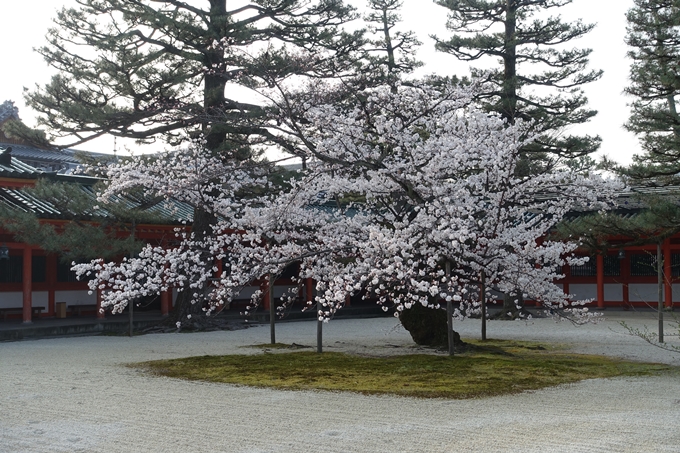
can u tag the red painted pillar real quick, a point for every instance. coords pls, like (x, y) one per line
(264, 287)
(625, 278)
(27, 285)
(600, 281)
(220, 269)
(565, 281)
(51, 284)
(165, 302)
(100, 312)
(166, 298)
(668, 288)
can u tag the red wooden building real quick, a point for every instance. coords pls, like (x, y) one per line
(35, 283)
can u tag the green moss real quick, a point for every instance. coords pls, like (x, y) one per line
(495, 368)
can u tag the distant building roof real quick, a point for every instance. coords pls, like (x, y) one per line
(170, 211)
(15, 168)
(41, 156)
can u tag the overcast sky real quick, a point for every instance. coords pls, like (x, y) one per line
(25, 23)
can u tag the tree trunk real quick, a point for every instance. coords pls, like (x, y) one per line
(511, 309)
(509, 92)
(482, 300)
(429, 327)
(213, 98)
(184, 306)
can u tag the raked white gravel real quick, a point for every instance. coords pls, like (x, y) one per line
(75, 395)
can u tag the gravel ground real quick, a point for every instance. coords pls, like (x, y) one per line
(74, 395)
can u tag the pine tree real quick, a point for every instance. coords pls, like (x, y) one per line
(540, 79)
(392, 51)
(145, 70)
(654, 39)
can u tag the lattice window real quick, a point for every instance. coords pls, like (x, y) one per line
(643, 265)
(39, 269)
(12, 270)
(675, 264)
(612, 267)
(588, 269)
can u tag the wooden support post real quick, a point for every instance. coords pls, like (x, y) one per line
(625, 277)
(449, 313)
(660, 281)
(27, 285)
(272, 308)
(482, 299)
(600, 281)
(309, 290)
(309, 297)
(319, 335)
(668, 287)
(100, 312)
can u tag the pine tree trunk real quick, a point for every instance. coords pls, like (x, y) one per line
(184, 306)
(509, 94)
(213, 102)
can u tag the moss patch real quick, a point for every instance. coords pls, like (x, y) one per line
(491, 368)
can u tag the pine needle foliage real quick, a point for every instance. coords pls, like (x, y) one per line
(653, 36)
(539, 78)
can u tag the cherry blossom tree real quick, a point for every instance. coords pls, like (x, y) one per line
(418, 179)
(410, 196)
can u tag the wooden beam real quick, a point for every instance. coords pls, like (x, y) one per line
(668, 287)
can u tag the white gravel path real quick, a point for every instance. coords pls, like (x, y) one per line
(74, 395)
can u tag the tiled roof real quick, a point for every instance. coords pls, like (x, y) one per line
(48, 155)
(22, 200)
(170, 211)
(14, 168)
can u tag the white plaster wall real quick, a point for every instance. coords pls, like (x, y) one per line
(15, 299)
(76, 297)
(247, 292)
(613, 292)
(11, 299)
(643, 292)
(582, 291)
(676, 292)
